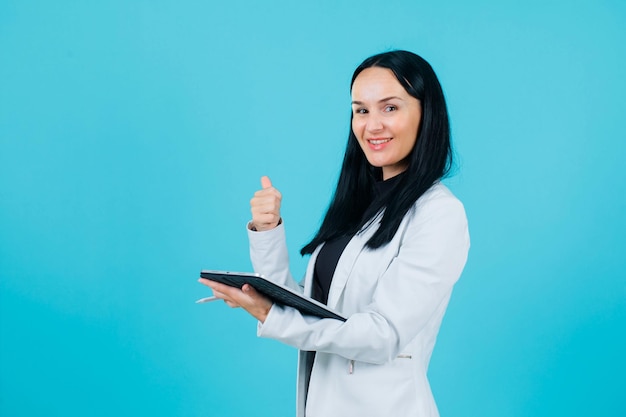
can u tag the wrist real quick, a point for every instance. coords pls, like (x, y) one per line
(264, 313)
(253, 227)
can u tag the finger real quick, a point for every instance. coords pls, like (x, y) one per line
(266, 200)
(249, 290)
(231, 304)
(204, 281)
(255, 296)
(221, 295)
(227, 299)
(219, 290)
(267, 194)
(266, 182)
(265, 203)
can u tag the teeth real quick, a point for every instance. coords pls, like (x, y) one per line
(378, 142)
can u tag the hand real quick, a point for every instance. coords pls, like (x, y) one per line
(265, 206)
(247, 297)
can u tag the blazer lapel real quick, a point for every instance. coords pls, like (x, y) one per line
(308, 277)
(346, 263)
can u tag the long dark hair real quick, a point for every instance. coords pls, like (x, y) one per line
(429, 161)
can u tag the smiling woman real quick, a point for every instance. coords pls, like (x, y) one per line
(392, 245)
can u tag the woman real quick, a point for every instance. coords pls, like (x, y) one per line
(392, 244)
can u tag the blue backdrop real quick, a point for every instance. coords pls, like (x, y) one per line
(133, 134)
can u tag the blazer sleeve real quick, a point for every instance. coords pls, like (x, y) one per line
(414, 288)
(269, 256)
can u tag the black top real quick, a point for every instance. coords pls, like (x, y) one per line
(329, 255)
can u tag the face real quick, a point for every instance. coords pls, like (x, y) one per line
(385, 119)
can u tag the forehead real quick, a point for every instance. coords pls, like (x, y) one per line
(376, 83)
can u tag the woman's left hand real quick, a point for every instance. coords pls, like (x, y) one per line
(247, 298)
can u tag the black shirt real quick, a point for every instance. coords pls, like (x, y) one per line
(329, 255)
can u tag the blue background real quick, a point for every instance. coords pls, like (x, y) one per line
(133, 134)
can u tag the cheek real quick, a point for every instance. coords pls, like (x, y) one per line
(357, 128)
(409, 131)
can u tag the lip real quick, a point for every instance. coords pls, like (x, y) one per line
(378, 146)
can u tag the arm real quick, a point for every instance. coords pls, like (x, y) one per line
(269, 256)
(266, 233)
(268, 252)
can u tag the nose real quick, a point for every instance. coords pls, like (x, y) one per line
(374, 123)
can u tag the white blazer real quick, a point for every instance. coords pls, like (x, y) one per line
(375, 363)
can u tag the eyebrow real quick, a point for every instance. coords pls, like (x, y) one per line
(380, 101)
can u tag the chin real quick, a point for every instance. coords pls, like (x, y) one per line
(377, 164)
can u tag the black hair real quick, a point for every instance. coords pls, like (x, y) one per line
(354, 204)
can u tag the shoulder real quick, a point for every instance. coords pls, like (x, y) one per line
(437, 209)
(437, 197)
(437, 219)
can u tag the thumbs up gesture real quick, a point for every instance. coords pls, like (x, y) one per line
(265, 206)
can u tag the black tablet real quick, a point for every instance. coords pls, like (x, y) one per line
(276, 292)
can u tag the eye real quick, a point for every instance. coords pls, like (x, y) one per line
(390, 107)
(360, 111)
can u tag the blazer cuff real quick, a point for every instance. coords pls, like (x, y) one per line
(265, 236)
(273, 316)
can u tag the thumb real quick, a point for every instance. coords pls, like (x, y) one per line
(265, 182)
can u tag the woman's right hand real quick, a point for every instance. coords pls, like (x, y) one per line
(265, 207)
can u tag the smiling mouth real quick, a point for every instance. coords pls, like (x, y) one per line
(378, 141)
